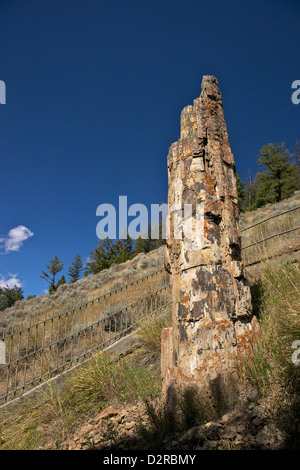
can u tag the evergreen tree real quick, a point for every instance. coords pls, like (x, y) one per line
(123, 255)
(109, 252)
(76, 269)
(280, 179)
(123, 250)
(128, 244)
(250, 192)
(297, 152)
(29, 297)
(297, 159)
(102, 257)
(241, 192)
(54, 268)
(155, 243)
(141, 246)
(61, 282)
(9, 296)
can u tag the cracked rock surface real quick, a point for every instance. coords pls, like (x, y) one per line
(212, 313)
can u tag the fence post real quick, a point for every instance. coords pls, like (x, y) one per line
(2, 352)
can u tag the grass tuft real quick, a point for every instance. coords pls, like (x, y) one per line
(168, 425)
(272, 370)
(149, 336)
(102, 382)
(280, 327)
(105, 379)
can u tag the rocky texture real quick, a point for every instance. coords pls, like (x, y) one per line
(247, 427)
(212, 312)
(112, 427)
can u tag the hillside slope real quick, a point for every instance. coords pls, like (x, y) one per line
(85, 288)
(253, 217)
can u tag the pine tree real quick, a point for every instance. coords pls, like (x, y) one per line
(297, 159)
(76, 268)
(9, 296)
(280, 178)
(155, 243)
(109, 252)
(241, 192)
(297, 152)
(123, 255)
(141, 246)
(250, 191)
(54, 268)
(61, 281)
(102, 257)
(123, 250)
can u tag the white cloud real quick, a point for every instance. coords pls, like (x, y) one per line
(15, 238)
(11, 281)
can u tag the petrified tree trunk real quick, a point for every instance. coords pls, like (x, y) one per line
(212, 312)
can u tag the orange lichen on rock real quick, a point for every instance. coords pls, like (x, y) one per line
(212, 312)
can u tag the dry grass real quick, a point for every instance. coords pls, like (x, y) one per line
(34, 424)
(149, 336)
(84, 290)
(272, 238)
(278, 298)
(100, 383)
(37, 350)
(104, 380)
(93, 386)
(271, 370)
(168, 426)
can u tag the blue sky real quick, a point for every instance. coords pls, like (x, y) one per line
(94, 91)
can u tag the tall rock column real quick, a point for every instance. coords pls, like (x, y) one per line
(212, 312)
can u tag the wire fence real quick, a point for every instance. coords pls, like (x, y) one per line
(46, 345)
(271, 237)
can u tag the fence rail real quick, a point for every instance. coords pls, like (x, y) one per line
(271, 237)
(52, 342)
